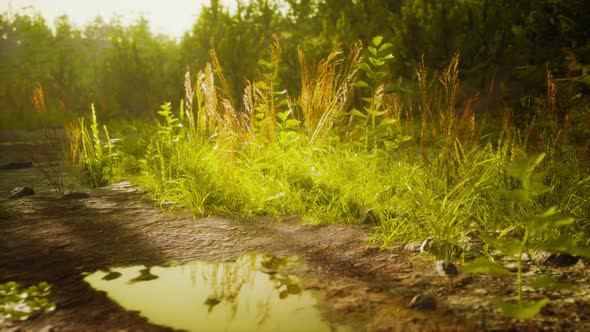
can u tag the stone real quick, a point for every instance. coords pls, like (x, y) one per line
(446, 269)
(16, 165)
(480, 291)
(426, 245)
(423, 302)
(471, 243)
(21, 192)
(555, 260)
(413, 246)
(48, 328)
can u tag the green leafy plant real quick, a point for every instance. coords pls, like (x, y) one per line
(539, 227)
(375, 124)
(19, 304)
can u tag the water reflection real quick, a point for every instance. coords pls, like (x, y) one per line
(250, 294)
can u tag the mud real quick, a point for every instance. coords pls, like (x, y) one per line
(363, 286)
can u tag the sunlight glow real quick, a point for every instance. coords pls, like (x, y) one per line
(171, 17)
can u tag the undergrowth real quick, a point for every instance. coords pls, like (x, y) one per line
(348, 147)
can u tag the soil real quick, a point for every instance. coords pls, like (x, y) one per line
(45, 238)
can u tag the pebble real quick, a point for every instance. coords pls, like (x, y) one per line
(413, 246)
(48, 328)
(423, 302)
(480, 291)
(21, 192)
(446, 269)
(17, 165)
(555, 260)
(426, 245)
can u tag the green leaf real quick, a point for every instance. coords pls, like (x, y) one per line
(375, 112)
(391, 89)
(387, 122)
(368, 99)
(388, 57)
(564, 245)
(373, 50)
(283, 116)
(523, 168)
(376, 62)
(377, 40)
(361, 84)
(507, 246)
(483, 265)
(403, 138)
(365, 67)
(390, 146)
(385, 46)
(547, 221)
(548, 282)
(358, 113)
(515, 195)
(292, 123)
(522, 310)
(261, 85)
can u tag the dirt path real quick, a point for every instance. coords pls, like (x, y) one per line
(43, 238)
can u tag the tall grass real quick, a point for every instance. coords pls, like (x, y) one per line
(308, 154)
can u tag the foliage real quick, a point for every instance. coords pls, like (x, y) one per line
(20, 304)
(379, 125)
(536, 227)
(94, 156)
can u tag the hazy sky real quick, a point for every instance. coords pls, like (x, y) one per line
(171, 17)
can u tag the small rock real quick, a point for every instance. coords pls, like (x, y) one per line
(446, 269)
(17, 165)
(426, 245)
(48, 328)
(76, 195)
(413, 246)
(480, 291)
(525, 258)
(423, 302)
(21, 192)
(470, 243)
(570, 300)
(561, 260)
(556, 260)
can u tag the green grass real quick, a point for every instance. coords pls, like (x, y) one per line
(431, 171)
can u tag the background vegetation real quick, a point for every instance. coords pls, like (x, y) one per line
(128, 70)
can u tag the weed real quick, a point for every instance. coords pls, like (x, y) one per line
(94, 156)
(538, 233)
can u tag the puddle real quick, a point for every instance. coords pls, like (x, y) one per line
(250, 294)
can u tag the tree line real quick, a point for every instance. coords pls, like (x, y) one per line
(128, 70)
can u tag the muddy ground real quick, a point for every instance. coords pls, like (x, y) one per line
(45, 238)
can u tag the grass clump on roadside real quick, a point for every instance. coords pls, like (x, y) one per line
(349, 147)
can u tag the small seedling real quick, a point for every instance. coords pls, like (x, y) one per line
(535, 227)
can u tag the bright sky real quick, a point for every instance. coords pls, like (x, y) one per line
(171, 17)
